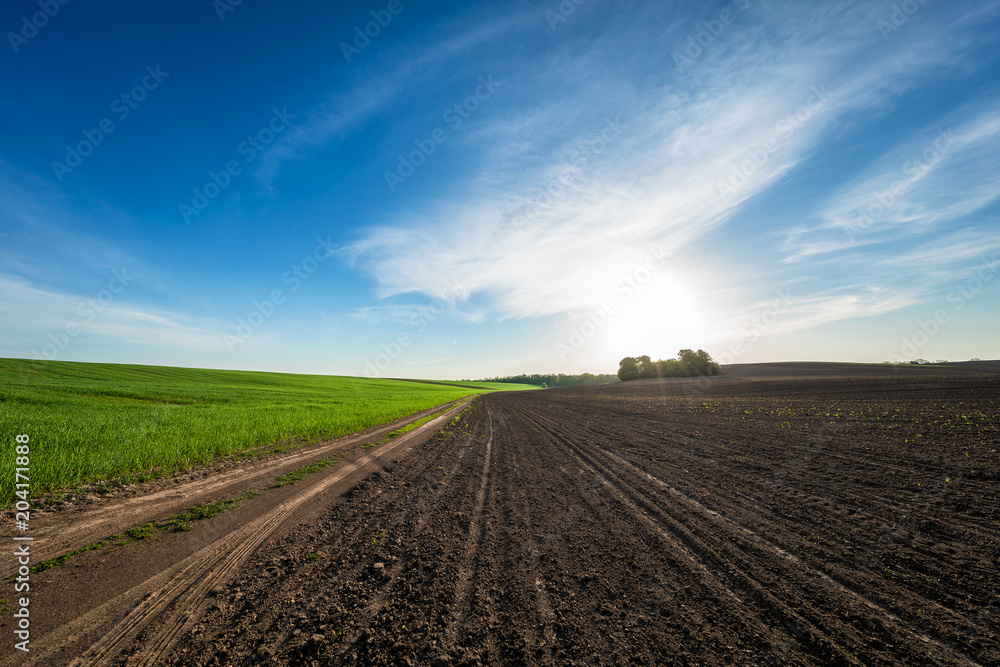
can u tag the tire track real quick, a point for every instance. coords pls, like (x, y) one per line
(512, 562)
(675, 578)
(466, 569)
(175, 597)
(842, 587)
(543, 606)
(557, 528)
(829, 561)
(700, 555)
(424, 510)
(832, 491)
(395, 506)
(647, 502)
(61, 533)
(656, 430)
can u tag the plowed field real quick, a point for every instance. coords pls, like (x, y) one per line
(821, 521)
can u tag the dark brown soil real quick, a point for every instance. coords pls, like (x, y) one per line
(726, 522)
(803, 369)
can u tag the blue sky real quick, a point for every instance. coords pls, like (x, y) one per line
(467, 191)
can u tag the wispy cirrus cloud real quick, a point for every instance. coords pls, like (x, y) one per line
(35, 318)
(411, 314)
(710, 153)
(537, 232)
(798, 309)
(934, 267)
(392, 76)
(41, 220)
(940, 176)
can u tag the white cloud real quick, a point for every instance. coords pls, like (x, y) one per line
(936, 178)
(387, 81)
(842, 303)
(690, 155)
(32, 316)
(549, 223)
(412, 314)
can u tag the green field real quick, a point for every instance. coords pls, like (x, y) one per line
(503, 386)
(109, 422)
(492, 386)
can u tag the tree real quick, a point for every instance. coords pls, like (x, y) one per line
(647, 369)
(628, 369)
(689, 363)
(699, 363)
(671, 368)
(555, 380)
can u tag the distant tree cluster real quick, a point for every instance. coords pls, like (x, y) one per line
(687, 364)
(922, 362)
(554, 380)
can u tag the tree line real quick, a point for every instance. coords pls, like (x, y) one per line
(556, 380)
(687, 364)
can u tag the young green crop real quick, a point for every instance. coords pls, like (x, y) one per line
(498, 386)
(93, 422)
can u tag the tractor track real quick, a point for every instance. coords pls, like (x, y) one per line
(168, 604)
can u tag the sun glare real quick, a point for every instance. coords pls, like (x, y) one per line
(659, 318)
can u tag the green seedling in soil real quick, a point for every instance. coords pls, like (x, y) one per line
(417, 424)
(180, 522)
(406, 429)
(59, 560)
(300, 473)
(141, 532)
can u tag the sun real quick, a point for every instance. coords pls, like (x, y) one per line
(658, 318)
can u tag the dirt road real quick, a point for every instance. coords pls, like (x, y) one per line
(813, 522)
